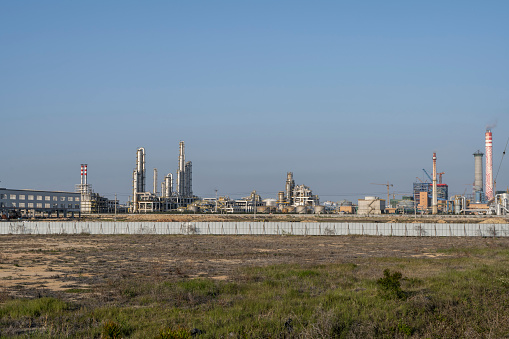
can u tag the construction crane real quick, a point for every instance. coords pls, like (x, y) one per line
(388, 193)
(418, 179)
(427, 175)
(500, 165)
(440, 177)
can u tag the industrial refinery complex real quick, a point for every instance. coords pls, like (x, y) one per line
(430, 196)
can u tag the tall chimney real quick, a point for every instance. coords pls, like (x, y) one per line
(85, 174)
(82, 174)
(478, 176)
(434, 203)
(489, 165)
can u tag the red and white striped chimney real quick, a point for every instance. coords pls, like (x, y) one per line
(82, 174)
(489, 166)
(434, 198)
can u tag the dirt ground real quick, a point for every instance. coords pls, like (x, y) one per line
(385, 218)
(32, 266)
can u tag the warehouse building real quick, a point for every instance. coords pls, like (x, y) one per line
(32, 203)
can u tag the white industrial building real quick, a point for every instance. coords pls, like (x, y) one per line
(371, 206)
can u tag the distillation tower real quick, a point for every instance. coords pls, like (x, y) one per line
(290, 185)
(138, 177)
(184, 175)
(167, 199)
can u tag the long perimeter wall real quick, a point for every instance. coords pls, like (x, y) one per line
(258, 228)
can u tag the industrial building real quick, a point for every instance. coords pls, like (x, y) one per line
(371, 206)
(428, 197)
(423, 192)
(93, 202)
(35, 203)
(168, 200)
(298, 198)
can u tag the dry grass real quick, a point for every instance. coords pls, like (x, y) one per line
(269, 286)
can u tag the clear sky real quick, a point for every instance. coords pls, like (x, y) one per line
(341, 93)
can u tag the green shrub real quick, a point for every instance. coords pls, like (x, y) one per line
(177, 333)
(390, 285)
(405, 329)
(111, 330)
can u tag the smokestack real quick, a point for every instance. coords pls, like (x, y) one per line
(434, 204)
(82, 174)
(489, 165)
(478, 175)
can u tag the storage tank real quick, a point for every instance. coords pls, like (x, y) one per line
(269, 202)
(457, 205)
(319, 209)
(281, 197)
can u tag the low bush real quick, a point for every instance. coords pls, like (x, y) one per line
(390, 285)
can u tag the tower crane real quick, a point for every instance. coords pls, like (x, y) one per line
(427, 175)
(440, 177)
(496, 176)
(388, 193)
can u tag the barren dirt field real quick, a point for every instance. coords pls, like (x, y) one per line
(171, 286)
(35, 266)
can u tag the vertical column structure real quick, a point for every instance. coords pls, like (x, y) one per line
(181, 171)
(489, 165)
(478, 176)
(168, 185)
(434, 203)
(188, 187)
(138, 177)
(155, 181)
(85, 191)
(85, 174)
(290, 185)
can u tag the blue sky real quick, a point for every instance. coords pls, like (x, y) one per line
(342, 93)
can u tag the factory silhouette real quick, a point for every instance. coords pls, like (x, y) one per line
(429, 197)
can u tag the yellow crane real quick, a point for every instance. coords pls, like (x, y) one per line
(388, 185)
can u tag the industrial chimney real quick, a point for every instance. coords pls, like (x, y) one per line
(478, 176)
(434, 203)
(489, 165)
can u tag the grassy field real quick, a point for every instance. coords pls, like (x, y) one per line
(437, 288)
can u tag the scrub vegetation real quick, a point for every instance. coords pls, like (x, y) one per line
(458, 292)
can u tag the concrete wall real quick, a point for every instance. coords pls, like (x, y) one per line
(257, 228)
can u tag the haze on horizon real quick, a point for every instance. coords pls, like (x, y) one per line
(342, 94)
